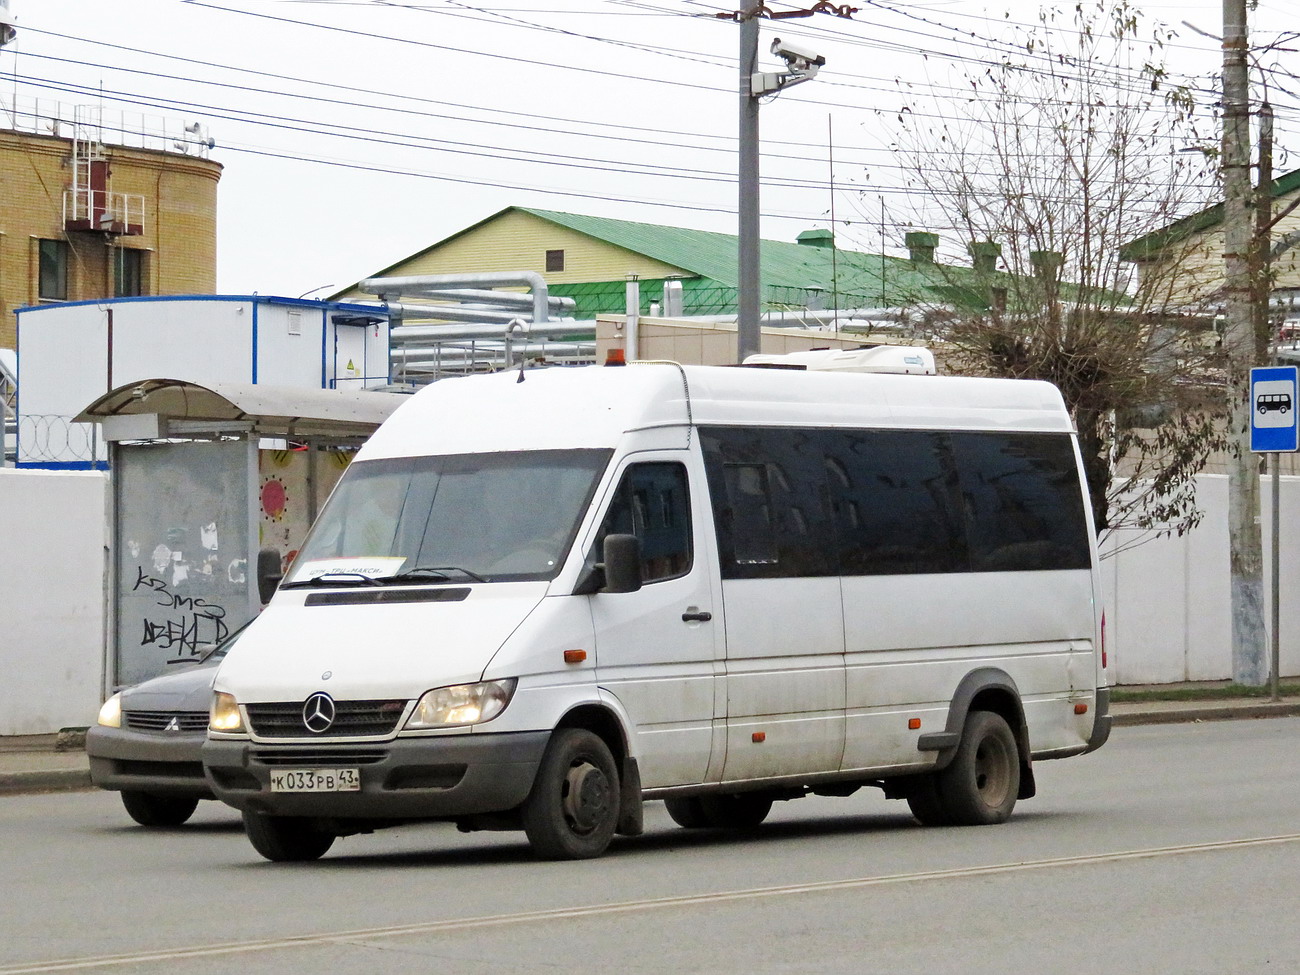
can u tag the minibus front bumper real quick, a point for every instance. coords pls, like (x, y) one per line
(405, 778)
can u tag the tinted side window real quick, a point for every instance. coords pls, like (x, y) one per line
(1023, 501)
(896, 504)
(653, 503)
(770, 505)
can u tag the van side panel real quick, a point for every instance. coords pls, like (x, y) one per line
(902, 661)
(785, 677)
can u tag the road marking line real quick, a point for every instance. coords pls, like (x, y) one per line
(594, 910)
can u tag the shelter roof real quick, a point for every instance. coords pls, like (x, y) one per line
(283, 411)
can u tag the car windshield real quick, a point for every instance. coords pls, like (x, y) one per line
(218, 650)
(460, 518)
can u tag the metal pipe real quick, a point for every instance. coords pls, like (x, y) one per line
(409, 334)
(512, 299)
(459, 313)
(422, 353)
(422, 284)
(631, 347)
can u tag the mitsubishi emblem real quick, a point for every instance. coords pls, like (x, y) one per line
(318, 712)
(174, 724)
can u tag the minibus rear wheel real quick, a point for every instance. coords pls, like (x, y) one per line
(979, 787)
(923, 799)
(742, 811)
(286, 839)
(572, 810)
(687, 812)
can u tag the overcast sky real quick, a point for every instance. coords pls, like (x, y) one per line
(355, 133)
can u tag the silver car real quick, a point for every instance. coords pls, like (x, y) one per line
(148, 742)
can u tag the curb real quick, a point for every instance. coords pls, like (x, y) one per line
(1193, 713)
(57, 780)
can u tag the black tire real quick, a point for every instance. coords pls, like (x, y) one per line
(152, 809)
(923, 799)
(286, 839)
(573, 807)
(980, 786)
(687, 812)
(742, 811)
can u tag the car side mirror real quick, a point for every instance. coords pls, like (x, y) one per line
(622, 563)
(269, 573)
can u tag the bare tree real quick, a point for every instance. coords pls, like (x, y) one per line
(1069, 155)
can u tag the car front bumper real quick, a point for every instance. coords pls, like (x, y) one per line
(405, 778)
(164, 763)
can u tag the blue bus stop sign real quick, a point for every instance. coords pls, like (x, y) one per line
(1273, 403)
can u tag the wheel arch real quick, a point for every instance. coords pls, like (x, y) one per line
(600, 721)
(603, 722)
(985, 689)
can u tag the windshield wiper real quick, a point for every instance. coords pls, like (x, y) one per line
(335, 579)
(433, 573)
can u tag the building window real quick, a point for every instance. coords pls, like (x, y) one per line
(128, 272)
(53, 274)
(555, 260)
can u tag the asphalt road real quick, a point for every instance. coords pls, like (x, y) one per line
(1174, 849)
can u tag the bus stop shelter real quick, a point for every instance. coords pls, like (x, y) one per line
(203, 477)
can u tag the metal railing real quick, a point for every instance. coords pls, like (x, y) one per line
(112, 127)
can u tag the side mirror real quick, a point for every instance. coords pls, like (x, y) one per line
(622, 563)
(268, 573)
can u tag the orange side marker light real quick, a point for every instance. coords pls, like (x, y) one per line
(913, 723)
(1081, 708)
(758, 737)
(575, 656)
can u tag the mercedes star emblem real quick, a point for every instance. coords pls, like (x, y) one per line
(318, 712)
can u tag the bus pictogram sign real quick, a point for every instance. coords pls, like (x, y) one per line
(1273, 398)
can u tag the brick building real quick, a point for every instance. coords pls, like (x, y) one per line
(81, 219)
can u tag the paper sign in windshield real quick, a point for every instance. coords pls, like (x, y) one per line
(372, 567)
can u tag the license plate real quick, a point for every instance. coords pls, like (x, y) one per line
(316, 780)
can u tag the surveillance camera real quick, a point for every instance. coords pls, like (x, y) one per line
(795, 56)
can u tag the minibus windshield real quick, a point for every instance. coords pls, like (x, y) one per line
(497, 517)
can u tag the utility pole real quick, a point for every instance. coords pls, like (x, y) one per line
(1246, 560)
(748, 277)
(801, 65)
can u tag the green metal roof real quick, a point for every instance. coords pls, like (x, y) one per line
(876, 279)
(790, 271)
(1150, 246)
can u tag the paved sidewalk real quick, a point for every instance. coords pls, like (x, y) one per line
(48, 763)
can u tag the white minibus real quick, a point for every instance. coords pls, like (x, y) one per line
(538, 599)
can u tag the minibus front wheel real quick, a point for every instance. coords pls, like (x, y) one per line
(572, 810)
(286, 839)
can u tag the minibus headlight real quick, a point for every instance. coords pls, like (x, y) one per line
(225, 716)
(110, 715)
(462, 704)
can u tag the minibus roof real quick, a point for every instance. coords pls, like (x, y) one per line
(594, 406)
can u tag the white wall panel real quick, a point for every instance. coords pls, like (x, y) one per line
(51, 599)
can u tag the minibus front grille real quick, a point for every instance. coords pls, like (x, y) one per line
(318, 757)
(373, 597)
(166, 720)
(352, 719)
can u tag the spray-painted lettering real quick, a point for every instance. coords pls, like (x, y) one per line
(192, 623)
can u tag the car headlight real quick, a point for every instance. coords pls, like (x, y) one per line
(225, 716)
(110, 715)
(462, 704)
